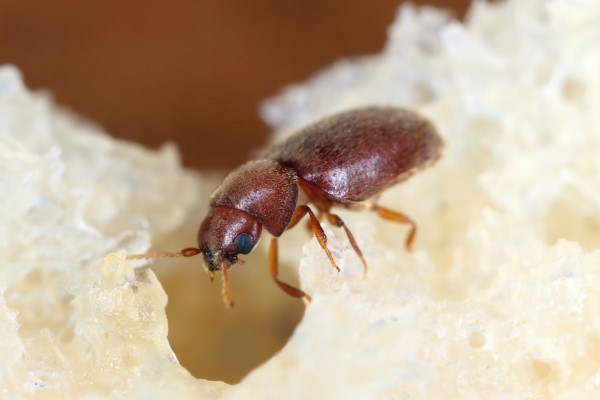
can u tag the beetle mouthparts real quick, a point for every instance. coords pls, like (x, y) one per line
(213, 261)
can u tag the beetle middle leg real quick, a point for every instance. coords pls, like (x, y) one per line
(317, 229)
(334, 219)
(274, 268)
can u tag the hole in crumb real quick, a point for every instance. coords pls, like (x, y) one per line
(476, 340)
(216, 343)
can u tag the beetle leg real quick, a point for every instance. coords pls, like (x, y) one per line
(226, 295)
(319, 215)
(317, 229)
(299, 212)
(396, 216)
(337, 221)
(274, 267)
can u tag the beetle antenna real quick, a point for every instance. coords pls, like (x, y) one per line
(187, 252)
(153, 254)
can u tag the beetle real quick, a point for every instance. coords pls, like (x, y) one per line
(345, 160)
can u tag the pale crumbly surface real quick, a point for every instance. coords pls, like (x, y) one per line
(499, 299)
(74, 321)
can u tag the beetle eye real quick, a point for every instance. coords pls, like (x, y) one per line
(243, 243)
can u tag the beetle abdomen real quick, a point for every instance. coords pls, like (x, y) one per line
(355, 155)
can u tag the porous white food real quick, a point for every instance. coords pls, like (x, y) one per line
(499, 299)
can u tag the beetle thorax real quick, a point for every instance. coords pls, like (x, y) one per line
(264, 189)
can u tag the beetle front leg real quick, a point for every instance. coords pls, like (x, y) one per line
(274, 268)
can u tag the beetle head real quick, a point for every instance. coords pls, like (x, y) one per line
(225, 233)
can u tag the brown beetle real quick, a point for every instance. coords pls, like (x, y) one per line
(341, 161)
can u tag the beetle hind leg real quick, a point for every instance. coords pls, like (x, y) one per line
(397, 216)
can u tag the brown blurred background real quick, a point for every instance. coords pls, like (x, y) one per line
(194, 72)
(189, 71)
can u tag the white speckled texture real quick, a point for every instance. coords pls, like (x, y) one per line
(500, 299)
